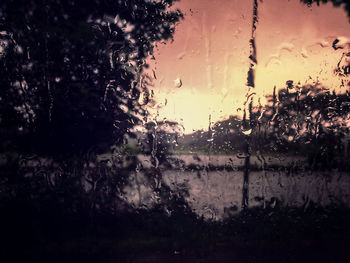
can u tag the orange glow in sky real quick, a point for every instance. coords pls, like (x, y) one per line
(204, 70)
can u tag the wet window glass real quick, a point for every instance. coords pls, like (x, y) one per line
(181, 131)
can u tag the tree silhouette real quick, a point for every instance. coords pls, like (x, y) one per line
(308, 119)
(71, 77)
(336, 3)
(227, 135)
(72, 70)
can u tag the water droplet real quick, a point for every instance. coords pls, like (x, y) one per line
(178, 83)
(247, 132)
(181, 55)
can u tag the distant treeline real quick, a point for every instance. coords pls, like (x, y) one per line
(297, 120)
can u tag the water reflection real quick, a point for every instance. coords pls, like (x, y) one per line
(217, 193)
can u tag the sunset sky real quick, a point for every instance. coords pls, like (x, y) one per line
(204, 70)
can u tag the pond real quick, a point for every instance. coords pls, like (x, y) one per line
(217, 194)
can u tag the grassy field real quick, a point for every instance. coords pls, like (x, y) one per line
(257, 235)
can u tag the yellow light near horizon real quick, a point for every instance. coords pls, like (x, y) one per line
(194, 109)
(203, 72)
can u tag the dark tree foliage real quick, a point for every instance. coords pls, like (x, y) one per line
(71, 71)
(160, 138)
(225, 136)
(309, 120)
(336, 3)
(71, 78)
